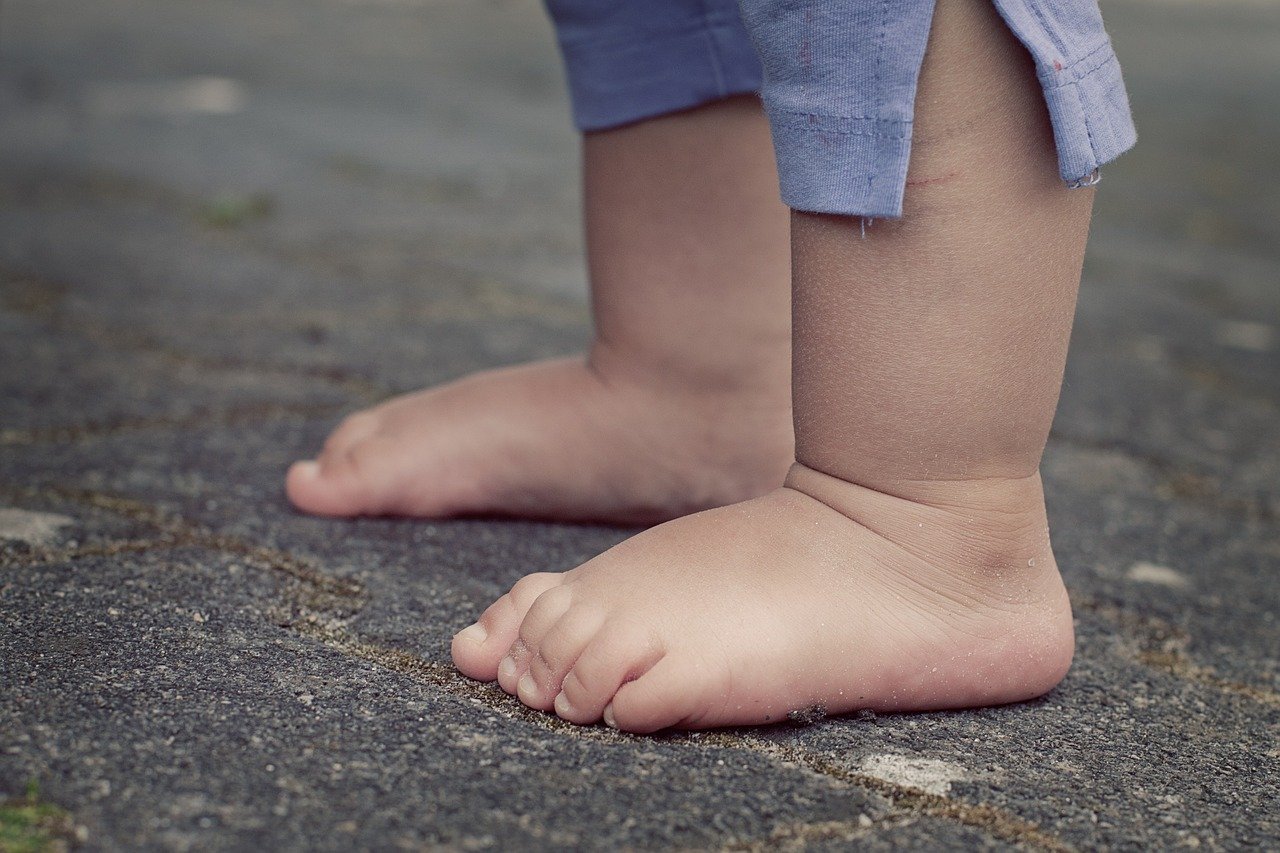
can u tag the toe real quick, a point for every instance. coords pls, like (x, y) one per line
(670, 693)
(300, 483)
(352, 430)
(555, 654)
(511, 669)
(546, 610)
(342, 483)
(312, 490)
(307, 485)
(478, 648)
(615, 655)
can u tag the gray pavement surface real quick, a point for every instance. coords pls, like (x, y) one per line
(224, 223)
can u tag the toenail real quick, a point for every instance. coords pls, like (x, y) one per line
(473, 634)
(527, 688)
(563, 708)
(608, 716)
(507, 669)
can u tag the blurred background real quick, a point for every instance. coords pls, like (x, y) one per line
(319, 183)
(224, 223)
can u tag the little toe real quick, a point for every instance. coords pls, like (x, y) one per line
(615, 655)
(477, 653)
(555, 654)
(671, 693)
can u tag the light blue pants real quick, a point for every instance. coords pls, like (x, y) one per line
(837, 77)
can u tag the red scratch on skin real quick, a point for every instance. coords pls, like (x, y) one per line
(922, 182)
(1057, 66)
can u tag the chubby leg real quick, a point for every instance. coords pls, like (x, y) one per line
(683, 401)
(906, 564)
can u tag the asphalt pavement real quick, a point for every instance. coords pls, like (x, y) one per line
(225, 223)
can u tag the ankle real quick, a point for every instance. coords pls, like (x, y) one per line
(994, 531)
(760, 371)
(995, 495)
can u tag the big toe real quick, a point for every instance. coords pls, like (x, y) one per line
(357, 478)
(325, 489)
(480, 647)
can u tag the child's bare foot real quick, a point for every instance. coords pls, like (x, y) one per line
(684, 402)
(906, 564)
(822, 593)
(570, 439)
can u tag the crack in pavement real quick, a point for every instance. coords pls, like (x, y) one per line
(904, 799)
(485, 298)
(1177, 482)
(320, 614)
(798, 836)
(320, 609)
(41, 299)
(1163, 647)
(333, 634)
(172, 532)
(993, 820)
(232, 416)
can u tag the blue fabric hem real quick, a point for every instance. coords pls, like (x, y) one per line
(1089, 110)
(835, 164)
(612, 84)
(858, 165)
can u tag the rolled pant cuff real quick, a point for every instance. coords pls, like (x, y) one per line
(1089, 109)
(612, 84)
(852, 166)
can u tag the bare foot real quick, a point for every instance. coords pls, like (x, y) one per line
(684, 402)
(564, 439)
(821, 593)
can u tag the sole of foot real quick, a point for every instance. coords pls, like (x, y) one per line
(820, 596)
(558, 440)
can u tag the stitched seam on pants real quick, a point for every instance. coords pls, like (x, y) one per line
(1103, 66)
(874, 133)
(806, 54)
(713, 51)
(777, 109)
(884, 27)
(1088, 130)
(1091, 59)
(1048, 30)
(804, 122)
(834, 117)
